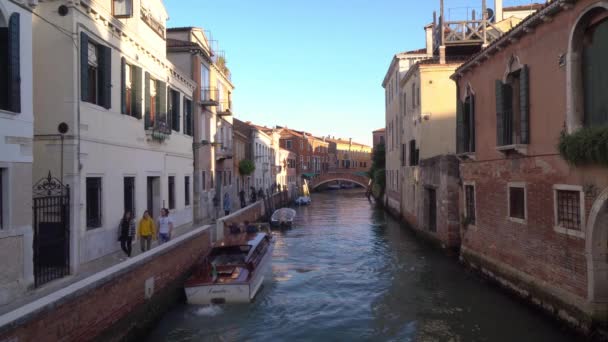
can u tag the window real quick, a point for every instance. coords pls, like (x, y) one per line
(469, 202)
(173, 109)
(595, 82)
(229, 177)
(569, 209)
(131, 89)
(517, 201)
(122, 8)
(413, 153)
(207, 94)
(171, 192)
(96, 68)
(10, 74)
(129, 195)
(465, 125)
(188, 123)
(187, 190)
(512, 109)
(403, 154)
(94, 202)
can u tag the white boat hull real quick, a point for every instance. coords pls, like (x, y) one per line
(231, 293)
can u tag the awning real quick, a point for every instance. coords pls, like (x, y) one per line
(309, 175)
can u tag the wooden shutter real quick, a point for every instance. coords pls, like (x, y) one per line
(161, 104)
(524, 103)
(136, 92)
(148, 121)
(460, 127)
(123, 85)
(14, 64)
(500, 137)
(471, 141)
(84, 66)
(106, 77)
(176, 108)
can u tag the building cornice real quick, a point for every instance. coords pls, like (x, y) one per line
(526, 26)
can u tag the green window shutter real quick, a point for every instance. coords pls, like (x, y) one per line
(84, 66)
(148, 120)
(106, 77)
(472, 124)
(524, 104)
(460, 127)
(161, 104)
(14, 65)
(176, 109)
(500, 138)
(123, 85)
(136, 93)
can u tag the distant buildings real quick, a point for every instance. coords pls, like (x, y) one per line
(379, 137)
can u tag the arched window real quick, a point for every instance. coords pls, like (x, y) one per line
(595, 74)
(587, 70)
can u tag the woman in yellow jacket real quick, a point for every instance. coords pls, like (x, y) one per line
(146, 231)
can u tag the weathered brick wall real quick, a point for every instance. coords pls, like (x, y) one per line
(442, 174)
(89, 308)
(252, 213)
(532, 247)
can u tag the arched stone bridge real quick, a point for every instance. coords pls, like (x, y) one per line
(359, 178)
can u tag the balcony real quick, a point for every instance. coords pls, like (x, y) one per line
(223, 151)
(209, 96)
(157, 129)
(224, 108)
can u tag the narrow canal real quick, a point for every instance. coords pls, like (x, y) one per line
(349, 272)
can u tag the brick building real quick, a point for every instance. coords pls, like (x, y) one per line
(310, 152)
(379, 136)
(531, 219)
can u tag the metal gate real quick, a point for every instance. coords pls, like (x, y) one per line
(51, 230)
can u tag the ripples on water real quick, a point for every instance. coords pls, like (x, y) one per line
(348, 272)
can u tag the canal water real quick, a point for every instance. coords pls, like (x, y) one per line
(349, 272)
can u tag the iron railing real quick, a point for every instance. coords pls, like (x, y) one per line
(209, 96)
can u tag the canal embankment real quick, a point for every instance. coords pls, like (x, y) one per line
(123, 301)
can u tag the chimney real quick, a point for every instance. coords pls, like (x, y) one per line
(498, 10)
(428, 29)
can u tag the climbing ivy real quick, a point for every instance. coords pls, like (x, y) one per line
(587, 146)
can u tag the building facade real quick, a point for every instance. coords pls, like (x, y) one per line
(378, 136)
(129, 114)
(16, 156)
(532, 219)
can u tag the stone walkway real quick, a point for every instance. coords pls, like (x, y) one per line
(88, 269)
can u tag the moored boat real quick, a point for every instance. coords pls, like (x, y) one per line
(233, 272)
(303, 200)
(283, 217)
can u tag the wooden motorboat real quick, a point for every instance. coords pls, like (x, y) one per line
(233, 272)
(283, 217)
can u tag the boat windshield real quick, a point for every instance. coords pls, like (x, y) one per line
(228, 259)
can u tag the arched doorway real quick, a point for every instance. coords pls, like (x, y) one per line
(597, 252)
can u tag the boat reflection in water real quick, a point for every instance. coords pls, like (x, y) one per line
(233, 272)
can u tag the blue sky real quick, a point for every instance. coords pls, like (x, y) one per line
(315, 65)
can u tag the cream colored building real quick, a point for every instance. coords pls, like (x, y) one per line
(104, 72)
(400, 64)
(16, 133)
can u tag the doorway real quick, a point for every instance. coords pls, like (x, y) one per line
(153, 196)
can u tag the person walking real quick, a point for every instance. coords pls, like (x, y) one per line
(126, 230)
(165, 226)
(242, 198)
(227, 204)
(146, 231)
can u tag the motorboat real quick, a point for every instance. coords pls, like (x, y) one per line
(233, 271)
(283, 217)
(303, 200)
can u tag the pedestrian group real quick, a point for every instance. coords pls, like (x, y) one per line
(147, 230)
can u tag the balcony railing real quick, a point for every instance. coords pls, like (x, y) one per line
(224, 108)
(157, 128)
(210, 96)
(223, 151)
(465, 32)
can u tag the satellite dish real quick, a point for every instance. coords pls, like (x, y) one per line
(490, 14)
